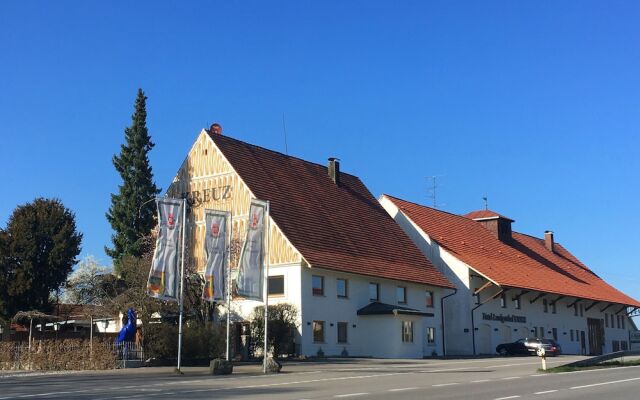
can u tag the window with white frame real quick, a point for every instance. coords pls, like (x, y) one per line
(516, 302)
(429, 299)
(276, 285)
(342, 287)
(407, 331)
(318, 331)
(317, 283)
(374, 294)
(554, 310)
(342, 332)
(401, 294)
(431, 335)
(503, 300)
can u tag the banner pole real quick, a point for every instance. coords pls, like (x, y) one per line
(266, 288)
(184, 216)
(229, 286)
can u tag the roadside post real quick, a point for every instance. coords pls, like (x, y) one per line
(541, 354)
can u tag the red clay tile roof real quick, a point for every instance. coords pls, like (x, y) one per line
(341, 228)
(524, 263)
(482, 214)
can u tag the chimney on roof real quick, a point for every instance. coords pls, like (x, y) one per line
(498, 225)
(548, 241)
(215, 129)
(334, 170)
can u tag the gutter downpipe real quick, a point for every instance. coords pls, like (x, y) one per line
(444, 340)
(473, 325)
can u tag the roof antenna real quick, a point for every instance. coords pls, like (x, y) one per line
(284, 129)
(432, 191)
(486, 202)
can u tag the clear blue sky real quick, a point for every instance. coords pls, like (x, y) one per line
(535, 104)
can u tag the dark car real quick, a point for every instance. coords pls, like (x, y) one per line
(528, 346)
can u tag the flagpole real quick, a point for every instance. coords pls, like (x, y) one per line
(266, 288)
(229, 286)
(184, 216)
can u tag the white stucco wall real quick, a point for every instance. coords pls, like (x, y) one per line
(378, 336)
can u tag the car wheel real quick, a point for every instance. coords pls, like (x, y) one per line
(503, 352)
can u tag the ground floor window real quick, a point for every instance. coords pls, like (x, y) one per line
(555, 333)
(318, 331)
(571, 331)
(407, 331)
(431, 335)
(342, 332)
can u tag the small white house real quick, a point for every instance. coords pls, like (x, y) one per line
(510, 285)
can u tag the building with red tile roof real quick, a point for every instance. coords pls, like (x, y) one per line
(333, 250)
(504, 274)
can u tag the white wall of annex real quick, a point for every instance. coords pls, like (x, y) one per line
(372, 335)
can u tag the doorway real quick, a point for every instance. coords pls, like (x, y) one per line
(596, 336)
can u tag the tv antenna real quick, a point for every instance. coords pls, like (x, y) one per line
(486, 202)
(432, 190)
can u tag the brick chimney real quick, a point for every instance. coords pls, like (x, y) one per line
(333, 168)
(548, 241)
(215, 129)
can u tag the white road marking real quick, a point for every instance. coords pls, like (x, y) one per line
(350, 395)
(510, 377)
(402, 389)
(546, 391)
(508, 397)
(481, 380)
(446, 384)
(604, 383)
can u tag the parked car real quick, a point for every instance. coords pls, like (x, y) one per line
(528, 346)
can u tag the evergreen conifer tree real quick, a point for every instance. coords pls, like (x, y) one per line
(132, 213)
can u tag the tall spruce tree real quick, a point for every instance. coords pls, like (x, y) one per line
(132, 214)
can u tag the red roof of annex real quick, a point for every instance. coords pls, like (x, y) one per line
(339, 227)
(524, 262)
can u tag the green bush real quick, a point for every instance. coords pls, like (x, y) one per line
(200, 341)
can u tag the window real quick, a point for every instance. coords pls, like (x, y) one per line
(429, 298)
(541, 335)
(545, 305)
(582, 310)
(318, 285)
(342, 332)
(571, 332)
(503, 300)
(516, 302)
(401, 294)
(575, 310)
(407, 331)
(612, 324)
(476, 297)
(431, 335)
(623, 345)
(276, 285)
(555, 333)
(622, 320)
(318, 331)
(553, 308)
(618, 321)
(373, 291)
(342, 286)
(606, 320)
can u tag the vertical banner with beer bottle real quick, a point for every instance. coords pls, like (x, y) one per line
(164, 277)
(251, 267)
(216, 244)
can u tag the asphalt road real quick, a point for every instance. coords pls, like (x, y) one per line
(492, 379)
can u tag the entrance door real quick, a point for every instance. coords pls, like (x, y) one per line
(505, 334)
(596, 336)
(583, 347)
(483, 339)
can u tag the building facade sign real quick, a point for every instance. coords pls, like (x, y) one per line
(504, 318)
(196, 198)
